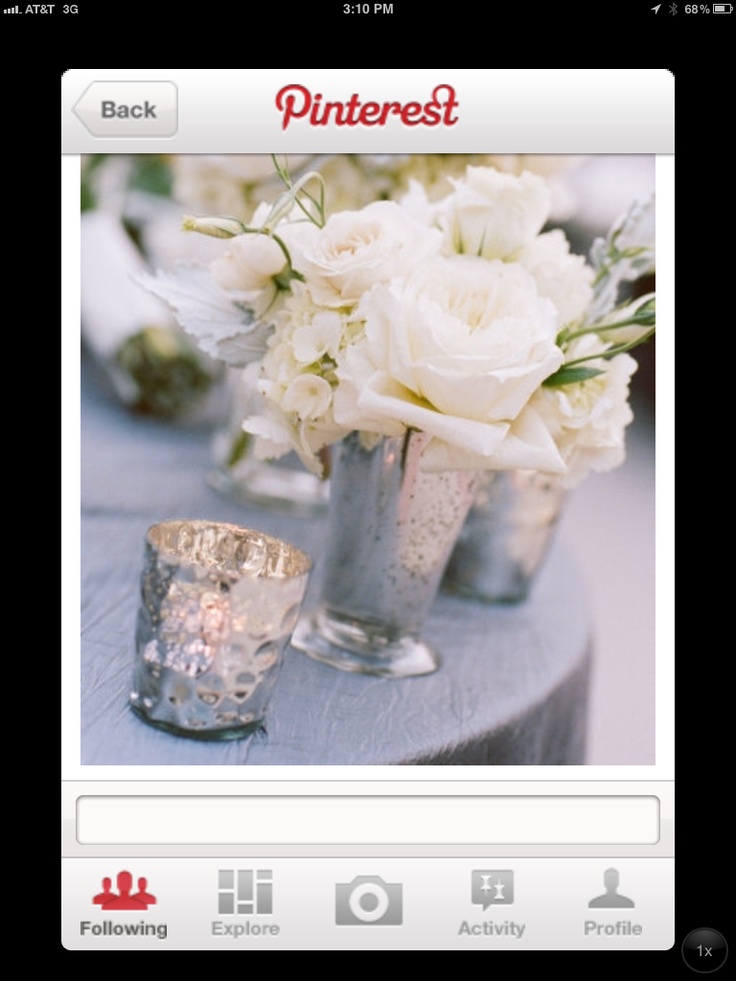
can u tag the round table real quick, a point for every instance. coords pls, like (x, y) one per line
(512, 687)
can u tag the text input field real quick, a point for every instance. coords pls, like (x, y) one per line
(389, 819)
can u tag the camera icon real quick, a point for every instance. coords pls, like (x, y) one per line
(368, 901)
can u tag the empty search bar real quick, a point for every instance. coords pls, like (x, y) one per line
(359, 820)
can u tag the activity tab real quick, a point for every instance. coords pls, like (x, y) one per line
(129, 109)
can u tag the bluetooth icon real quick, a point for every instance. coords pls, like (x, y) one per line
(673, 9)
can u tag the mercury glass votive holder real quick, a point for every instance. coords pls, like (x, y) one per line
(218, 605)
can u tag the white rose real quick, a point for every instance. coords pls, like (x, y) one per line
(492, 214)
(456, 350)
(248, 263)
(357, 249)
(561, 276)
(588, 419)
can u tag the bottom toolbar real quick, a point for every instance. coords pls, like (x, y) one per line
(358, 904)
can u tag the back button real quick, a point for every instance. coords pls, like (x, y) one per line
(129, 109)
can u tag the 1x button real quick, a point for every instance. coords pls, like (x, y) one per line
(704, 950)
(129, 109)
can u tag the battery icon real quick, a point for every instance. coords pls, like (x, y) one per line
(722, 8)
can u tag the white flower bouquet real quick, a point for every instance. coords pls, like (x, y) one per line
(459, 316)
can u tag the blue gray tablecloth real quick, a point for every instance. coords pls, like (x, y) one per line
(512, 687)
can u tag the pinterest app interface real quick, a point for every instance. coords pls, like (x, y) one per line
(367, 599)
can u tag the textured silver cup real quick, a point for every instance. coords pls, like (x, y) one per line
(506, 536)
(218, 605)
(392, 527)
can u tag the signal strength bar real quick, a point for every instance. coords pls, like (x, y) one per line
(12, 10)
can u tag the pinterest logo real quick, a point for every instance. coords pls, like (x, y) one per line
(296, 102)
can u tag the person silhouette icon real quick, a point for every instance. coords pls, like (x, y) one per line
(107, 894)
(124, 900)
(142, 895)
(611, 898)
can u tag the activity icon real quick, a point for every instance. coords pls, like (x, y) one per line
(611, 898)
(493, 888)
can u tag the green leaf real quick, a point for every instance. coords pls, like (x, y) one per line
(89, 168)
(238, 448)
(570, 376)
(152, 174)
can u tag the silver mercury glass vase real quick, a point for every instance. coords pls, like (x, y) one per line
(392, 526)
(218, 604)
(506, 536)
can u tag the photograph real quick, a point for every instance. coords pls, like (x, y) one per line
(367, 460)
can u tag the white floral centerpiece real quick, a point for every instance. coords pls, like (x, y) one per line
(456, 317)
(461, 318)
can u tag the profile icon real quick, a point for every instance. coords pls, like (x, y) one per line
(611, 898)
